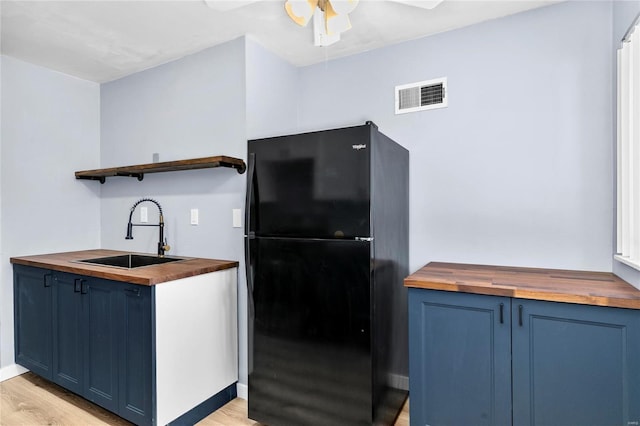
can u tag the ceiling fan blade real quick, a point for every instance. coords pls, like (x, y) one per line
(224, 5)
(425, 4)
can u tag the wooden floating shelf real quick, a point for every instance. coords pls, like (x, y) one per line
(139, 170)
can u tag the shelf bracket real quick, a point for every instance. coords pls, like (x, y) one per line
(140, 176)
(101, 179)
(240, 168)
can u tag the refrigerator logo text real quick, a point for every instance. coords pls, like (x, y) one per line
(359, 147)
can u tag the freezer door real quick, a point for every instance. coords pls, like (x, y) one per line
(313, 185)
(310, 359)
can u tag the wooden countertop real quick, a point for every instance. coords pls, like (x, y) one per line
(587, 288)
(146, 275)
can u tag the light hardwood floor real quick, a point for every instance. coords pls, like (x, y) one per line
(31, 401)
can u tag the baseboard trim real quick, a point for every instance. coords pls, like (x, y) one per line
(11, 371)
(243, 391)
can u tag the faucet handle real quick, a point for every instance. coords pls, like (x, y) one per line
(165, 246)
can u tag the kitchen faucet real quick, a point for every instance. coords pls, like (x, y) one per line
(162, 243)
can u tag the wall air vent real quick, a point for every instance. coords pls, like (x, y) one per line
(422, 95)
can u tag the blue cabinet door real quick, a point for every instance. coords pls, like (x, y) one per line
(136, 360)
(91, 336)
(67, 331)
(100, 341)
(32, 319)
(459, 359)
(575, 364)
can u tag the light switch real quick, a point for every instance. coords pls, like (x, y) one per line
(237, 218)
(144, 216)
(194, 216)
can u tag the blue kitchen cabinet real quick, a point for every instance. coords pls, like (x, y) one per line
(575, 364)
(32, 319)
(89, 335)
(135, 360)
(489, 360)
(459, 359)
(115, 343)
(100, 340)
(67, 332)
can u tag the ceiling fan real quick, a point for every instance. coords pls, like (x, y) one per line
(330, 17)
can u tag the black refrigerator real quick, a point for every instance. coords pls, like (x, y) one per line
(326, 250)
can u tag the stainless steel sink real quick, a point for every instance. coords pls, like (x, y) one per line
(130, 261)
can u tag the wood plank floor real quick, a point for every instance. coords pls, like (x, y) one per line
(31, 401)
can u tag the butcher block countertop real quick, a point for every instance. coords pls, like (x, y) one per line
(146, 275)
(587, 288)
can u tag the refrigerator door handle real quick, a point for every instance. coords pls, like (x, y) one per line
(247, 206)
(250, 302)
(250, 235)
(249, 269)
(248, 264)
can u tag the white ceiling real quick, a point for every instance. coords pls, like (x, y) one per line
(105, 40)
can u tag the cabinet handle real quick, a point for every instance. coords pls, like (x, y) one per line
(135, 291)
(77, 285)
(83, 287)
(47, 280)
(502, 313)
(520, 309)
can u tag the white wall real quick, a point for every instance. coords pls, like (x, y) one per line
(190, 108)
(272, 93)
(50, 128)
(518, 169)
(624, 14)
